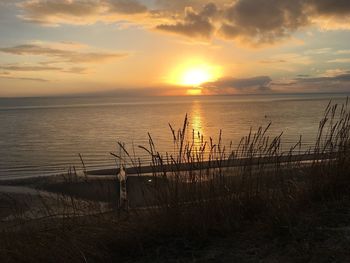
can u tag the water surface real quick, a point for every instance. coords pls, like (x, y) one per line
(40, 136)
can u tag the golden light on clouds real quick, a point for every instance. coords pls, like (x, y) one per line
(198, 41)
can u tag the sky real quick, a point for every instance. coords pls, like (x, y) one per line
(168, 47)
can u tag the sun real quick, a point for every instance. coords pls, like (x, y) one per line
(196, 76)
(193, 73)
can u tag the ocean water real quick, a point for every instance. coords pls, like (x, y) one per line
(42, 136)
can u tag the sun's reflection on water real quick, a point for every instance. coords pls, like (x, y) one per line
(196, 122)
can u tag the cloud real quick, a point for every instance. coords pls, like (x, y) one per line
(177, 5)
(346, 51)
(36, 68)
(55, 12)
(318, 51)
(24, 79)
(268, 21)
(8, 2)
(126, 7)
(60, 11)
(330, 81)
(286, 61)
(235, 85)
(263, 21)
(335, 72)
(326, 80)
(330, 7)
(272, 61)
(340, 60)
(194, 24)
(27, 68)
(303, 75)
(256, 22)
(61, 55)
(75, 70)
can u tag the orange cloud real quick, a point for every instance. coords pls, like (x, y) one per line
(55, 12)
(60, 57)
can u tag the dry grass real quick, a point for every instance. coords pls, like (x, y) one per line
(198, 204)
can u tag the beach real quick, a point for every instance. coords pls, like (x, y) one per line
(85, 224)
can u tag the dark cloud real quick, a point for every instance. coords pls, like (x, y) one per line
(34, 68)
(241, 83)
(25, 79)
(336, 83)
(9, 2)
(246, 85)
(194, 24)
(28, 68)
(330, 7)
(126, 6)
(32, 49)
(289, 83)
(178, 5)
(263, 84)
(263, 21)
(254, 21)
(59, 58)
(303, 75)
(259, 21)
(42, 11)
(75, 70)
(76, 11)
(338, 78)
(272, 61)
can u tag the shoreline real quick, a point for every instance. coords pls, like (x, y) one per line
(92, 176)
(146, 170)
(98, 186)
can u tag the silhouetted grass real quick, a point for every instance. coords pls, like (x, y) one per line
(271, 191)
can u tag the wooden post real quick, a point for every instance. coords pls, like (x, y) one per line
(123, 197)
(122, 177)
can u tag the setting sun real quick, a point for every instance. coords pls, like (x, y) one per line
(196, 76)
(194, 73)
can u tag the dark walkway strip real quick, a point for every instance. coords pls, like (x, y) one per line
(217, 164)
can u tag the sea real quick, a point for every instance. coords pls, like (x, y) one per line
(45, 136)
